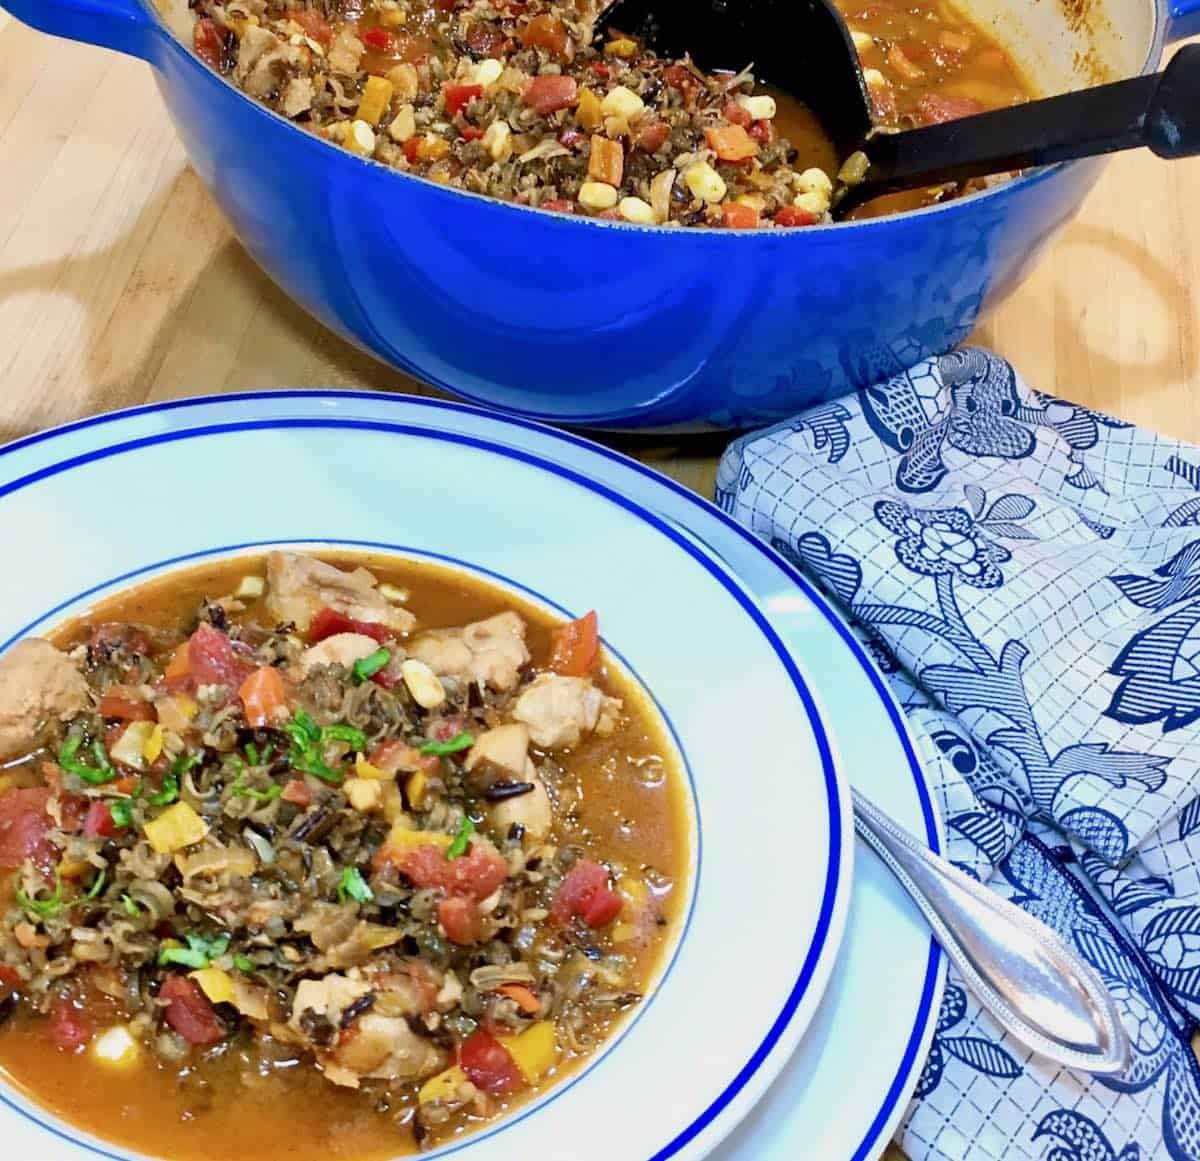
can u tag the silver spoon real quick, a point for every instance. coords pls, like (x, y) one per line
(1023, 973)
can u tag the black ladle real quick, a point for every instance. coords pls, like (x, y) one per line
(804, 48)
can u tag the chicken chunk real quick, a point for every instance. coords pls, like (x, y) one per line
(340, 649)
(345, 52)
(501, 752)
(262, 59)
(299, 587)
(298, 96)
(38, 684)
(382, 1048)
(531, 810)
(490, 652)
(559, 710)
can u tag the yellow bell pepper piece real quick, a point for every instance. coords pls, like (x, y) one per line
(402, 838)
(215, 984)
(364, 769)
(534, 1050)
(177, 827)
(152, 746)
(622, 47)
(415, 788)
(588, 112)
(443, 1086)
(377, 95)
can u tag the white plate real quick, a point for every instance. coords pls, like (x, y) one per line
(109, 501)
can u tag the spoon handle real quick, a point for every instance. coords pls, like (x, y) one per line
(1161, 111)
(1024, 974)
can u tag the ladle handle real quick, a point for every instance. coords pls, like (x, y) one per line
(1161, 111)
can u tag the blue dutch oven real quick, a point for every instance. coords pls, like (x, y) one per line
(610, 325)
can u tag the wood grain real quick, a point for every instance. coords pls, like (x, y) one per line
(120, 282)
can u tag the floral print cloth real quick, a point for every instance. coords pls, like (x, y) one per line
(1027, 571)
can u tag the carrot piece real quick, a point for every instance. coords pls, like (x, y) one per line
(575, 646)
(739, 217)
(262, 695)
(180, 664)
(607, 160)
(525, 999)
(731, 142)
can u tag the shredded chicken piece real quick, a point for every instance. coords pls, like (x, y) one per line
(345, 52)
(559, 710)
(298, 96)
(299, 587)
(490, 651)
(38, 684)
(340, 649)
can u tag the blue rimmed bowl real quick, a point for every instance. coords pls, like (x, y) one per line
(605, 324)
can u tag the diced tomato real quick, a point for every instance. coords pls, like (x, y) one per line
(328, 621)
(189, 1012)
(613, 215)
(761, 131)
(99, 821)
(652, 137)
(549, 94)
(213, 661)
(126, 784)
(569, 138)
(69, 1029)
(23, 826)
(391, 675)
(120, 703)
(575, 646)
(446, 5)
(263, 697)
(485, 39)
(315, 26)
(380, 40)
(475, 875)
(736, 114)
(10, 980)
(558, 206)
(394, 756)
(412, 152)
(297, 792)
(209, 41)
(489, 1065)
(470, 133)
(792, 216)
(457, 96)
(585, 892)
(545, 31)
(678, 77)
(934, 108)
(462, 919)
(600, 68)
(739, 217)
(731, 142)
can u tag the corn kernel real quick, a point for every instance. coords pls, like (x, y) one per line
(360, 139)
(488, 72)
(814, 202)
(497, 140)
(116, 1047)
(404, 126)
(597, 195)
(704, 182)
(393, 17)
(588, 111)
(863, 41)
(377, 95)
(365, 794)
(760, 108)
(622, 47)
(622, 102)
(813, 181)
(427, 691)
(404, 80)
(636, 210)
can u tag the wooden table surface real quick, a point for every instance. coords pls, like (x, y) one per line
(120, 282)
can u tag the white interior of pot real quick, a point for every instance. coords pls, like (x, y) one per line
(1070, 44)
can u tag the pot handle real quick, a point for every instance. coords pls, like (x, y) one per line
(124, 25)
(1184, 19)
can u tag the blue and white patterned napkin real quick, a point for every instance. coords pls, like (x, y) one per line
(1028, 572)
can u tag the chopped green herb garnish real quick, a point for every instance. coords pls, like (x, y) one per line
(266, 754)
(461, 840)
(461, 741)
(355, 739)
(97, 884)
(305, 755)
(365, 667)
(121, 812)
(96, 775)
(354, 886)
(169, 791)
(311, 730)
(42, 908)
(252, 753)
(131, 907)
(269, 795)
(201, 950)
(243, 963)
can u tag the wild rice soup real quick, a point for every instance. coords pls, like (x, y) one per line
(509, 98)
(336, 858)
